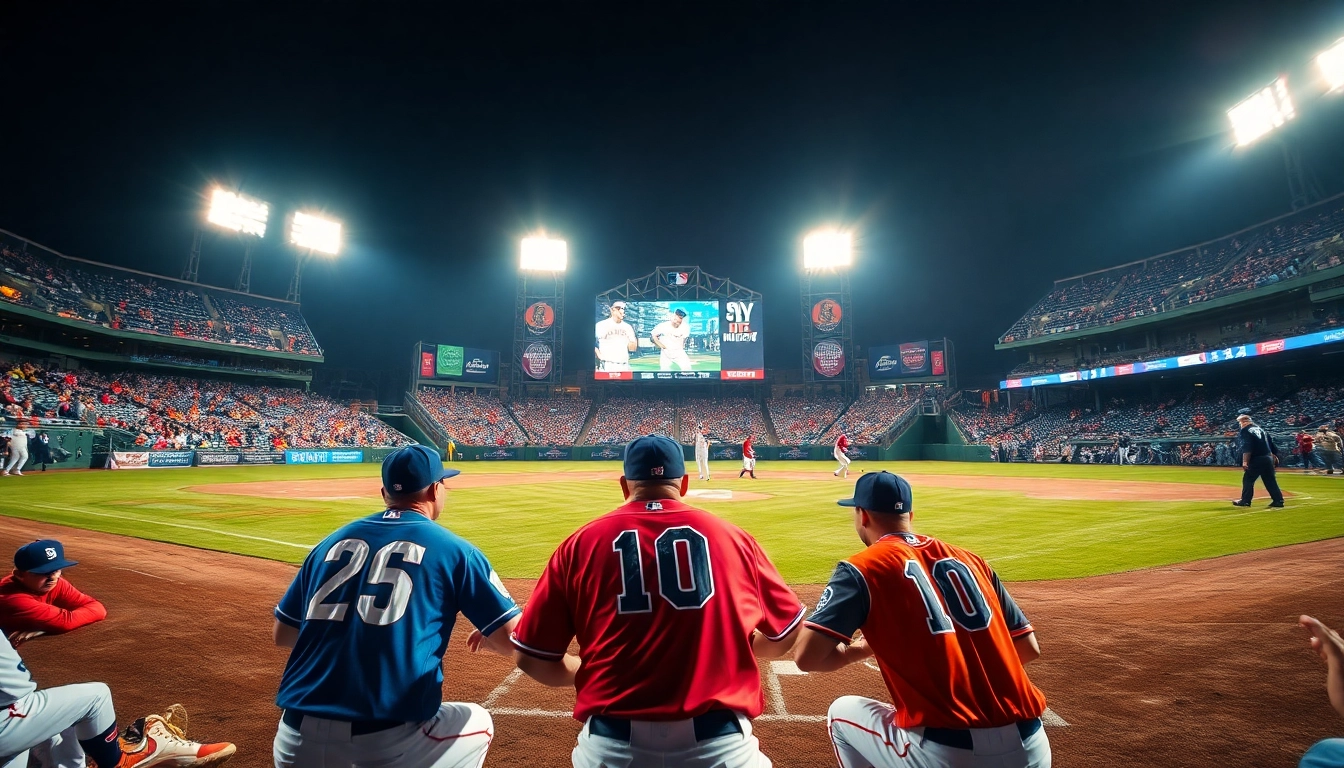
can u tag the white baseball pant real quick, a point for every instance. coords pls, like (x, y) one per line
(611, 365)
(748, 464)
(457, 737)
(702, 464)
(51, 722)
(1122, 456)
(17, 458)
(864, 733)
(665, 361)
(670, 744)
(844, 462)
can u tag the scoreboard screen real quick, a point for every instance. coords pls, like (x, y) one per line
(678, 340)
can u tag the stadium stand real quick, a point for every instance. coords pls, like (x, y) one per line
(471, 418)
(622, 419)
(177, 412)
(552, 422)
(129, 301)
(869, 418)
(800, 420)
(730, 420)
(1258, 257)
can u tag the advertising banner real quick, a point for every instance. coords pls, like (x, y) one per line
(480, 365)
(426, 362)
(939, 367)
(555, 453)
(501, 453)
(915, 358)
(608, 452)
(895, 361)
(826, 315)
(539, 318)
(321, 456)
(212, 459)
(165, 459)
(793, 452)
(131, 459)
(725, 452)
(449, 362)
(679, 340)
(265, 457)
(862, 451)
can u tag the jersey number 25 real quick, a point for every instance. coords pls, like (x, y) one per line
(379, 573)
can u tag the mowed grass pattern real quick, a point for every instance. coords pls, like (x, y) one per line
(800, 526)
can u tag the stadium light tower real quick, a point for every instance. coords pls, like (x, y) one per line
(1263, 113)
(539, 310)
(827, 307)
(237, 213)
(311, 234)
(1330, 62)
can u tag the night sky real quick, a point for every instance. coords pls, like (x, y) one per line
(980, 152)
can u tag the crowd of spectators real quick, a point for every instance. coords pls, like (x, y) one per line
(621, 419)
(800, 420)
(1274, 252)
(869, 418)
(729, 420)
(470, 418)
(554, 421)
(166, 412)
(129, 301)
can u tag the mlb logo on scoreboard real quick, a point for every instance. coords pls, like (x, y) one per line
(678, 278)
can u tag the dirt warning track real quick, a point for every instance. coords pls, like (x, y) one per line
(1193, 665)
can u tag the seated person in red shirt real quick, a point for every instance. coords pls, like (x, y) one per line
(35, 600)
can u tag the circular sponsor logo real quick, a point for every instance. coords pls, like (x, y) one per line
(537, 361)
(539, 317)
(828, 358)
(826, 315)
(826, 595)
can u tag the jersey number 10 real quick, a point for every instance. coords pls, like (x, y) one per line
(965, 603)
(673, 548)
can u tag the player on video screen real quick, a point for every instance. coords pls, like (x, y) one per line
(670, 337)
(615, 340)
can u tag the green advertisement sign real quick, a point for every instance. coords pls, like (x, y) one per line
(449, 362)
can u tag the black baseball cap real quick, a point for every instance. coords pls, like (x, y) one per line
(680, 312)
(42, 556)
(881, 492)
(653, 457)
(414, 468)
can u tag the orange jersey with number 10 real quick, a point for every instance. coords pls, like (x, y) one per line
(941, 626)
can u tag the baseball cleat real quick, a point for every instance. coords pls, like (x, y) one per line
(1276, 505)
(162, 740)
(1241, 503)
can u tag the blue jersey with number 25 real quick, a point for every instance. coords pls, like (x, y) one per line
(374, 604)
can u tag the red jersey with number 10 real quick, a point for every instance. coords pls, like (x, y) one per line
(663, 599)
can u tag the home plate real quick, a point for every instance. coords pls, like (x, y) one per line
(785, 667)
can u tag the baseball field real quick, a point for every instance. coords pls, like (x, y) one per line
(1166, 615)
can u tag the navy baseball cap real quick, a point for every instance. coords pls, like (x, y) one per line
(414, 468)
(881, 492)
(653, 457)
(42, 556)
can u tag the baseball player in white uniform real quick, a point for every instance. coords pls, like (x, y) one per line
(841, 455)
(73, 726)
(615, 340)
(702, 452)
(18, 452)
(670, 337)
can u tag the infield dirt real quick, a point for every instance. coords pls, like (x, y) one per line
(1200, 664)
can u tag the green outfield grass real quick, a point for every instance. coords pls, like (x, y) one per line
(801, 528)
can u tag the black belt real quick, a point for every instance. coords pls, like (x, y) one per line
(711, 725)
(294, 719)
(960, 738)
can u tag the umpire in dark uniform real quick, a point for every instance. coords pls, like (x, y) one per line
(1258, 460)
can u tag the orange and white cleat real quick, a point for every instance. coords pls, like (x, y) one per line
(162, 740)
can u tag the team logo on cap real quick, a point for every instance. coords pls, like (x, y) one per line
(900, 506)
(51, 553)
(656, 471)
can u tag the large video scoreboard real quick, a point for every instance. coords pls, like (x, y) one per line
(676, 340)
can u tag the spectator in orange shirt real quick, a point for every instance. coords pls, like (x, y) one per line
(35, 600)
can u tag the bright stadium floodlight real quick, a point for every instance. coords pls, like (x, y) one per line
(1262, 112)
(237, 212)
(828, 249)
(539, 253)
(315, 233)
(1331, 64)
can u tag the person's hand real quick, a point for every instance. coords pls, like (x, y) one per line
(859, 650)
(1276, 460)
(19, 638)
(1330, 646)
(474, 640)
(1245, 464)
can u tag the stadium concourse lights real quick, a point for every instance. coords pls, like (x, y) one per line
(540, 253)
(828, 249)
(1262, 112)
(1331, 64)
(315, 233)
(238, 212)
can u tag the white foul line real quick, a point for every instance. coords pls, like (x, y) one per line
(176, 525)
(502, 688)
